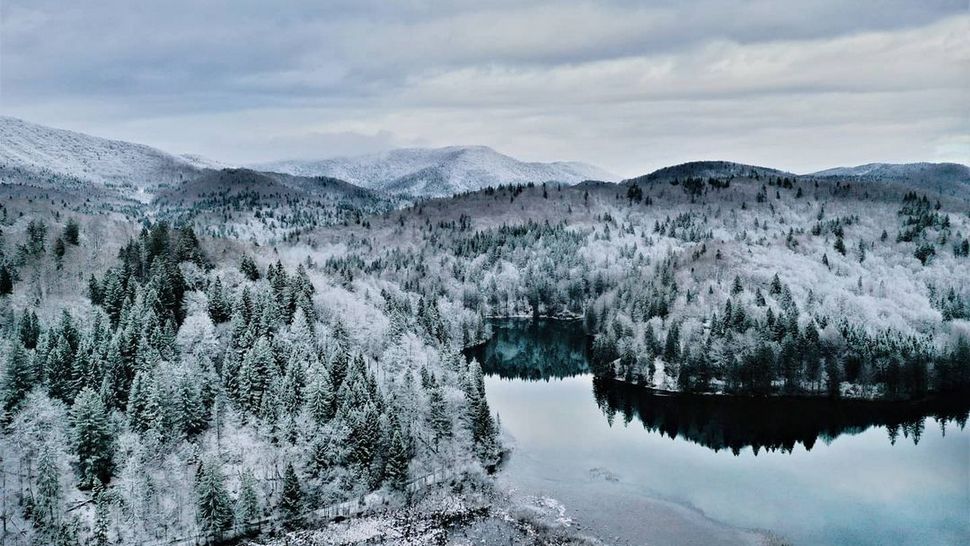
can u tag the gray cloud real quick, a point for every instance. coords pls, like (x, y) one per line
(628, 85)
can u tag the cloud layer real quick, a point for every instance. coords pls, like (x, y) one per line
(627, 85)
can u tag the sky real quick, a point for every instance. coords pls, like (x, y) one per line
(628, 86)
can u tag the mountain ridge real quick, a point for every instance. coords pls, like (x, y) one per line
(438, 172)
(139, 171)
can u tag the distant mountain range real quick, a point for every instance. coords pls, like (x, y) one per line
(57, 152)
(35, 152)
(439, 172)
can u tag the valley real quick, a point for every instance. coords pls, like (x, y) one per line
(187, 349)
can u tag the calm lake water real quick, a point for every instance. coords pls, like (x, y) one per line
(633, 467)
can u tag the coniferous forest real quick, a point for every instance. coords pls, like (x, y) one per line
(251, 354)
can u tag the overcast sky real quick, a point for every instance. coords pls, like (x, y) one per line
(629, 86)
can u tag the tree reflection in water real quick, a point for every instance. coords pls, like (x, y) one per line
(549, 349)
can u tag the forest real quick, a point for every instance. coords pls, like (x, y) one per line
(189, 398)
(188, 369)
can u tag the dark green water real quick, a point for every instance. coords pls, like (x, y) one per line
(812, 471)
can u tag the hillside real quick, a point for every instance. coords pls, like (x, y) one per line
(705, 170)
(260, 206)
(135, 170)
(945, 178)
(439, 172)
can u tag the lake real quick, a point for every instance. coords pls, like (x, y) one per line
(633, 467)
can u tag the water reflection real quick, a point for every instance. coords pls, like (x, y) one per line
(534, 349)
(548, 349)
(719, 422)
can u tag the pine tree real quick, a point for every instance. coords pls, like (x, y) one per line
(291, 501)
(672, 344)
(59, 369)
(72, 232)
(18, 378)
(219, 308)
(397, 462)
(775, 285)
(59, 250)
(99, 534)
(438, 414)
(247, 505)
(188, 409)
(95, 293)
(92, 439)
(249, 268)
(839, 245)
(737, 287)
(254, 375)
(6, 280)
(142, 412)
(320, 396)
(212, 502)
(29, 330)
(50, 494)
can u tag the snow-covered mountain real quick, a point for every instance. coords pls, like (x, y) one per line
(437, 172)
(136, 169)
(900, 170)
(947, 178)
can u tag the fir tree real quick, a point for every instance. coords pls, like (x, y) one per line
(291, 501)
(397, 462)
(72, 232)
(737, 287)
(775, 285)
(6, 280)
(29, 330)
(247, 505)
(50, 495)
(99, 533)
(212, 502)
(219, 309)
(438, 414)
(254, 375)
(92, 439)
(18, 378)
(839, 245)
(249, 268)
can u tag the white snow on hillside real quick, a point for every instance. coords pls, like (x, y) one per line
(901, 171)
(59, 152)
(439, 171)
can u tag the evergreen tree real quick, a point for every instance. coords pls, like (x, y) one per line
(247, 505)
(320, 396)
(6, 280)
(219, 308)
(18, 378)
(95, 294)
(29, 330)
(737, 287)
(72, 232)
(291, 501)
(839, 245)
(249, 268)
(99, 534)
(254, 375)
(438, 414)
(775, 285)
(672, 344)
(50, 495)
(397, 462)
(59, 250)
(59, 369)
(212, 502)
(92, 439)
